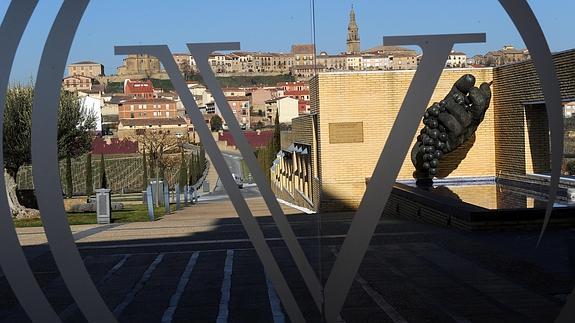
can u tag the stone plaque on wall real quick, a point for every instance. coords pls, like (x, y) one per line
(345, 132)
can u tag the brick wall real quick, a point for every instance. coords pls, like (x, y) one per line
(374, 98)
(511, 141)
(521, 138)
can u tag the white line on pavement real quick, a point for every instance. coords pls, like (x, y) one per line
(132, 294)
(379, 300)
(184, 279)
(297, 207)
(275, 303)
(226, 288)
(376, 297)
(66, 313)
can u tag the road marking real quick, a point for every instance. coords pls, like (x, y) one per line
(376, 297)
(379, 300)
(184, 279)
(226, 288)
(275, 303)
(198, 242)
(66, 313)
(429, 298)
(132, 294)
(297, 207)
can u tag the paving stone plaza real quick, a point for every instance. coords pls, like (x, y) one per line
(197, 265)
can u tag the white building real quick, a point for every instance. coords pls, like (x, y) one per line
(353, 63)
(456, 59)
(374, 62)
(93, 105)
(287, 109)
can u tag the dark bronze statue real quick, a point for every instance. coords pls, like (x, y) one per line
(448, 124)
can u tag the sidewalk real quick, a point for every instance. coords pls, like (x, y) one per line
(203, 217)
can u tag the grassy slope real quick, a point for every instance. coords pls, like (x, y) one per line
(131, 213)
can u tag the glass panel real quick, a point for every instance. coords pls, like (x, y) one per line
(257, 195)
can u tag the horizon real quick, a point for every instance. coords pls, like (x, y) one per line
(106, 25)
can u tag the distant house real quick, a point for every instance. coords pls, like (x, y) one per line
(86, 68)
(77, 83)
(456, 59)
(139, 89)
(256, 139)
(147, 109)
(171, 126)
(286, 108)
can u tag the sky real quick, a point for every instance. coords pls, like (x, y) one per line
(275, 25)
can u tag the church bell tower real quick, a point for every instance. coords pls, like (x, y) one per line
(352, 34)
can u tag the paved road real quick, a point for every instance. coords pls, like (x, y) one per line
(234, 162)
(198, 266)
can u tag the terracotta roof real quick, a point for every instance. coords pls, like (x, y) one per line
(389, 49)
(287, 93)
(300, 83)
(76, 77)
(152, 101)
(255, 140)
(142, 122)
(302, 49)
(134, 87)
(85, 62)
(117, 99)
(237, 98)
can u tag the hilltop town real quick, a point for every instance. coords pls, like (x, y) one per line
(262, 84)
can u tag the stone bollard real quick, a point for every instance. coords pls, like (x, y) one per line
(177, 190)
(166, 197)
(150, 203)
(103, 206)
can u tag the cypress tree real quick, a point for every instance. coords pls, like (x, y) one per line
(183, 172)
(144, 172)
(69, 183)
(276, 141)
(89, 180)
(193, 169)
(202, 159)
(103, 180)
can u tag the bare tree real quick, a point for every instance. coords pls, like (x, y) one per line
(158, 145)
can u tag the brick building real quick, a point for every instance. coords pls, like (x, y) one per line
(86, 68)
(512, 141)
(77, 83)
(147, 109)
(139, 89)
(332, 136)
(240, 106)
(128, 128)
